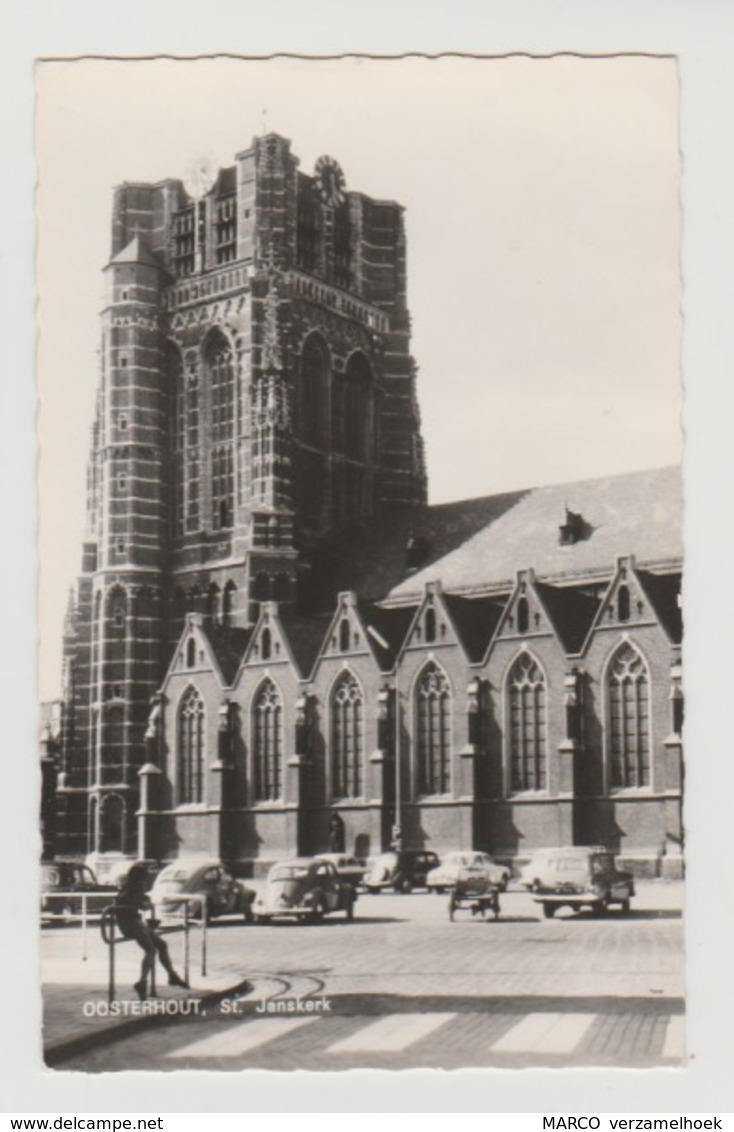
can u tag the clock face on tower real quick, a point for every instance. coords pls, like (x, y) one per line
(329, 181)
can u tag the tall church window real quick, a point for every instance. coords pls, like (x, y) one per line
(308, 231)
(191, 718)
(342, 246)
(225, 228)
(267, 725)
(347, 741)
(177, 439)
(314, 384)
(228, 602)
(183, 242)
(220, 364)
(628, 690)
(527, 717)
(357, 407)
(433, 747)
(111, 824)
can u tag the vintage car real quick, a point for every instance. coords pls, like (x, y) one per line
(351, 869)
(62, 885)
(581, 877)
(218, 892)
(305, 889)
(445, 876)
(530, 872)
(401, 870)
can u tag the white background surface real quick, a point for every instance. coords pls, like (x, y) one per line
(702, 35)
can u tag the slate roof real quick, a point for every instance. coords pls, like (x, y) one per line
(572, 611)
(476, 620)
(392, 626)
(477, 545)
(305, 636)
(228, 645)
(637, 513)
(663, 592)
(137, 251)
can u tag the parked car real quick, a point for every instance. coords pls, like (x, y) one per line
(445, 876)
(582, 877)
(401, 870)
(221, 894)
(62, 886)
(117, 874)
(530, 873)
(351, 869)
(304, 888)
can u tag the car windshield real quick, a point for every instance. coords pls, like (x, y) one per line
(289, 872)
(175, 875)
(601, 864)
(567, 864)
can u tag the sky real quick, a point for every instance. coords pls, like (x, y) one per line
(542, 203)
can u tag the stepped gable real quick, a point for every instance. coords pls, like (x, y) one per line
(475, 620)
(228, 646)
(638, 512)
(305, 637)
(572, 610)
(663, 592)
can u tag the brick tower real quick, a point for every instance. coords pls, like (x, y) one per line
(257, 395)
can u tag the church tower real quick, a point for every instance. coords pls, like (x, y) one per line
(257, 396)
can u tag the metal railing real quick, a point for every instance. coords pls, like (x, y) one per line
(72, 898)
(108, 929)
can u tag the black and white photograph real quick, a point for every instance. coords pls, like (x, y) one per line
(361, 555)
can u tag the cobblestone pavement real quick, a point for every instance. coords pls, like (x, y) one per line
(572, 990)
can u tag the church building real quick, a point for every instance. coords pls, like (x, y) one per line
(274, 636)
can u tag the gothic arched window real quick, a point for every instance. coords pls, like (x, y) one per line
(221, 368)
(357, 408)
(112, 811)
(177, 438)
(433, 733)
(314, 386)
(347, 742)
(212, 603)
(527, 741)
(267, 733)
(228, 602)
(191, 748)
(628, 692)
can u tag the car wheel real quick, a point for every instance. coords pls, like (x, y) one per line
(262, 920)
(439, 890)
(599, 908)
(452, 908)
(625, 906)
(502, 886)
(317, 913)
(404, 886)
(549, 910)
(247, 914)
(350, 910)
